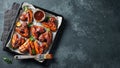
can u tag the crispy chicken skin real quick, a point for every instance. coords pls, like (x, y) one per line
(44, 45)
(16, 41)
(31, 48)
(51, 24)
(37, 30)
(23, 30)
(27, 16)
(23, 48)
(35, 48)
(38, 48)
(30, 16)
(46, 37)
(24, 16)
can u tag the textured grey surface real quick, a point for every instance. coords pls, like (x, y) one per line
(9, 17)
(91, 37)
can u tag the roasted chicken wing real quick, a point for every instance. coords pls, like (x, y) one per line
(17, 41)
(24, 16)
(39, 49)
(23, 30)
(37, 30)
(27, 16)
(30, 16)
(32, 48)
(46, 37)
(44, 45)
(23, 48)
(51, 24)
(35, 39)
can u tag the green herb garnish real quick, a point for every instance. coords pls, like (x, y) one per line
(33, 51)
(47, 29)
(32, 38)
(30, 24)
(12, 47)
(46, 19)
(25, 8)
(7, 60)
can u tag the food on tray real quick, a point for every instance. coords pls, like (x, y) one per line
(30, 16)
(46, 37)
(18, 24)
(27, 16)
(23, 48)
(51, 24)
(17, 41)
(24, 16)
(32, 48)
(36, 31)
(39, 15)
(38, 48)
(23, 29)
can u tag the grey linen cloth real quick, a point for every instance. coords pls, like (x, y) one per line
(9, 17)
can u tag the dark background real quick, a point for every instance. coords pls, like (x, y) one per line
(90, 37)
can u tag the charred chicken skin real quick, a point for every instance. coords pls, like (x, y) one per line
(27, 16)
(46, 37)
(17, 41)
(23, 48)
(44, 45)
(24, 16)
(51, 24)
(33, 47)
(23, 30)
(38, 48)
(37, 30)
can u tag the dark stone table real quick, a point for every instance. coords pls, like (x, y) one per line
(90, 39)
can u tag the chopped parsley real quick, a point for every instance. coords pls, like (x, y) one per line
(32, 38)
(7, 60)
(33, 51)
(47, 19)
(25, 8)
(30, 24)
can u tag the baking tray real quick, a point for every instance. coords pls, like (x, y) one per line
(7, 44)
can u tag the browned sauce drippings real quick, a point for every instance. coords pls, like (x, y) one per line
(38, 15)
